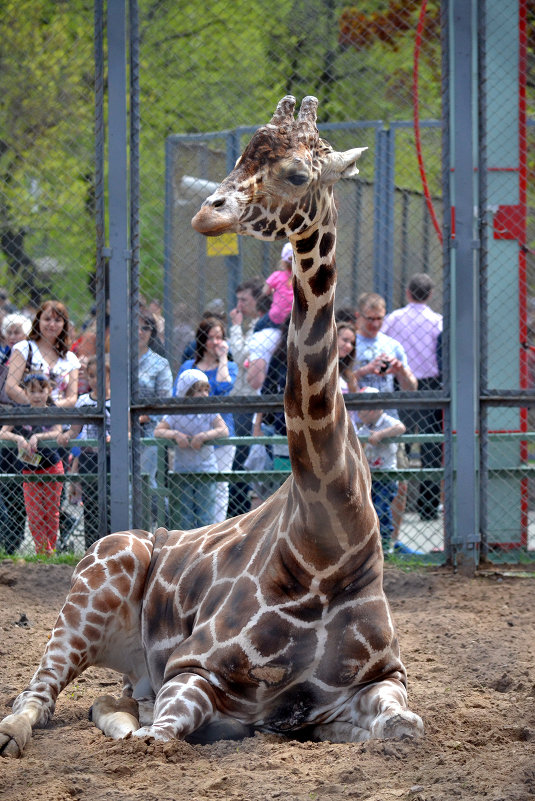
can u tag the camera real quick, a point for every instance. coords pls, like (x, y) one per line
(384, 367)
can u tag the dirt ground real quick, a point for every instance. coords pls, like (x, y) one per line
(469, 647)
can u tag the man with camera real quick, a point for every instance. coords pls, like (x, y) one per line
(379, 358)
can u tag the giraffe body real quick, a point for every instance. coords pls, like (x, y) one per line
(276, 619)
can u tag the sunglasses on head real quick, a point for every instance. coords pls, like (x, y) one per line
(35, 377)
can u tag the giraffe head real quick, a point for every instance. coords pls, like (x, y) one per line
(278, 186)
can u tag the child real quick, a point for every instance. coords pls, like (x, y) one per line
(381, 453)
(41, 498)
(279, 285)
(88, 457)
(191, 433)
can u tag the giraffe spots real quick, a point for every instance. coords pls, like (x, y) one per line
(308, 243)
(307, 610)
(286, 212)
(382, 668)
(95, 576)
(316, 363)
(323, 280)
(327, 243)
(95, 618)
(296, 222)
(253, 214)
(72, 615)
(122, 585)
(235, 555)
(347, 653)
(321, 323)
(300, 311)
(171, 564)
(321, 544)
(321, 405)
(93, 633)
(213, 600)
(232, 664)
(199, 642)
(125, 564)
(342, 492)
(106, 600)
(302, 468)
(283, 576)
(271, 635)
(111, 545)
(310, 207)
(77, 643)
(270, 228)
(239, 605)
(328, 448)
(306, 264)
(78, 597)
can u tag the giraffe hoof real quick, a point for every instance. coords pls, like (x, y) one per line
(154, 733)
(15, 734)
(398, 726)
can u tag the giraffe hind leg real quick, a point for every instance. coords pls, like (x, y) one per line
(98, 625)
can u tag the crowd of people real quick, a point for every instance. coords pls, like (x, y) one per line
(242, 354)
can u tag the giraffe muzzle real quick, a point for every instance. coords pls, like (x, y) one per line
(216, 216)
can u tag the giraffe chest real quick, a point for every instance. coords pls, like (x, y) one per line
(278, 654)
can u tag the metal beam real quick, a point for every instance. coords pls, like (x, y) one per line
(465, 346)
(119, 263)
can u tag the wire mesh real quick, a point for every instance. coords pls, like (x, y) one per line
(200, 80)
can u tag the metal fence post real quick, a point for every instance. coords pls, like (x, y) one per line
(384, 215)
(465, 344)
(118, 265)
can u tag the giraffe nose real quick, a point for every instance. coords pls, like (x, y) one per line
(217, 214)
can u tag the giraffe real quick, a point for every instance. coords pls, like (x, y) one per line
(275, 620)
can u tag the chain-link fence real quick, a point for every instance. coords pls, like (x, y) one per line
(117, 121)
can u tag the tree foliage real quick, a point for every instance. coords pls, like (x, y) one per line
(203, 67)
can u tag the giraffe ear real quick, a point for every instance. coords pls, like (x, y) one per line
(340, 165)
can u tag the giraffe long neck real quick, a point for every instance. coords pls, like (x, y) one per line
(329, 471)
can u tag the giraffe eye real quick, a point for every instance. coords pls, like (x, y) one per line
(297, 179)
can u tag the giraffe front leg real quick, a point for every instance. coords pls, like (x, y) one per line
(182, 706)
(381, 708)
(377, 712)
(33, 707)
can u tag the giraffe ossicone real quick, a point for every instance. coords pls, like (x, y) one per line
(275, 620)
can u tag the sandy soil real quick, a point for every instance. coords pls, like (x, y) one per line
(469, 646)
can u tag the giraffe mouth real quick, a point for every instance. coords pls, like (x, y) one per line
(210, 222)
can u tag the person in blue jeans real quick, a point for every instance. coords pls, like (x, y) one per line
(381, 452)
(194, 451)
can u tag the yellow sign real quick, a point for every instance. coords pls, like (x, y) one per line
(224, 245)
